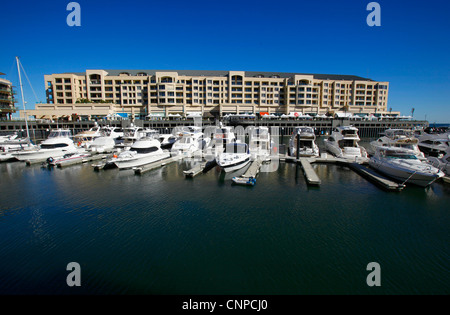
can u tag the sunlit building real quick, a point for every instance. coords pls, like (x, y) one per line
(7, 100)
(212, 93)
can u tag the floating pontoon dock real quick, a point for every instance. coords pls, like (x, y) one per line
(148, 167)
(197, 169)
(310, 174)
(354, 164)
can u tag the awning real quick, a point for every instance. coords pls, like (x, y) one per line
(123, 115)
(343, 115)
(156, 115)
(193, 114)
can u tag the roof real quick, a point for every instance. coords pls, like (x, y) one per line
(248, 74)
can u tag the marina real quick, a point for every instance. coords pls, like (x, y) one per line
(189, 236)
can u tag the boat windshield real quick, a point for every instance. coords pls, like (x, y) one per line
(405, 146)
(306, 144)
(53, 146)
(398, 132)
(185, 140)
(348, 144)
(304, 130)
(59, 133)
(400, 156)
(236, 148)
(144, 150)
(349, 132)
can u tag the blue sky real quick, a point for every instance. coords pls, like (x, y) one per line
(410, 49)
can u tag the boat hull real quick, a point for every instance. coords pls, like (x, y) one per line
(235, 165)
(419, 178)
(140, 160)
(42, 154)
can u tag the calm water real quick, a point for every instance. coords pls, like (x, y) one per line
(160, 233)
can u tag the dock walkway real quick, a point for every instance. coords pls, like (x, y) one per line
(197, 169)
(375, 177)
(148, 167)
(310, 174)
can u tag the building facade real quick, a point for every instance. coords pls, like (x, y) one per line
(211, 93)
(7, 99)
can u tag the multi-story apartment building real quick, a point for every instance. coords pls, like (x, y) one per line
(144, 92)
(7, 100)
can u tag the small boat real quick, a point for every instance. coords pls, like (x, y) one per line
(404, 166)
(144, 151)
(248, 181)
(308, 146)
(235, 156)
(67, 159)
(399, 138)
(343, 143)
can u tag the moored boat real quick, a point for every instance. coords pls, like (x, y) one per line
(57, 144)
(343, 143)
(308, 146)
(142, 152)
(404, 166)
(235, 156)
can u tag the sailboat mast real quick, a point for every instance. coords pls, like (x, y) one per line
(23, 100)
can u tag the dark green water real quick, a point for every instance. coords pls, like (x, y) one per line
(160, 233)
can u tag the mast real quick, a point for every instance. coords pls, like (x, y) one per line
(23, 100)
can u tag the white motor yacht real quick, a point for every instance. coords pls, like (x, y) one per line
(343, 143)
(404, 166)
(221, 136)
(57, 144)
(434, 146)
(260, 143)
(191, 140)
(130, 135)
(235, 156)
(308, 146)
(167, 140)
(399, 138)
(84, 139)
(144, 151)
(441, 162)
(109, 137)
(431, 133)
